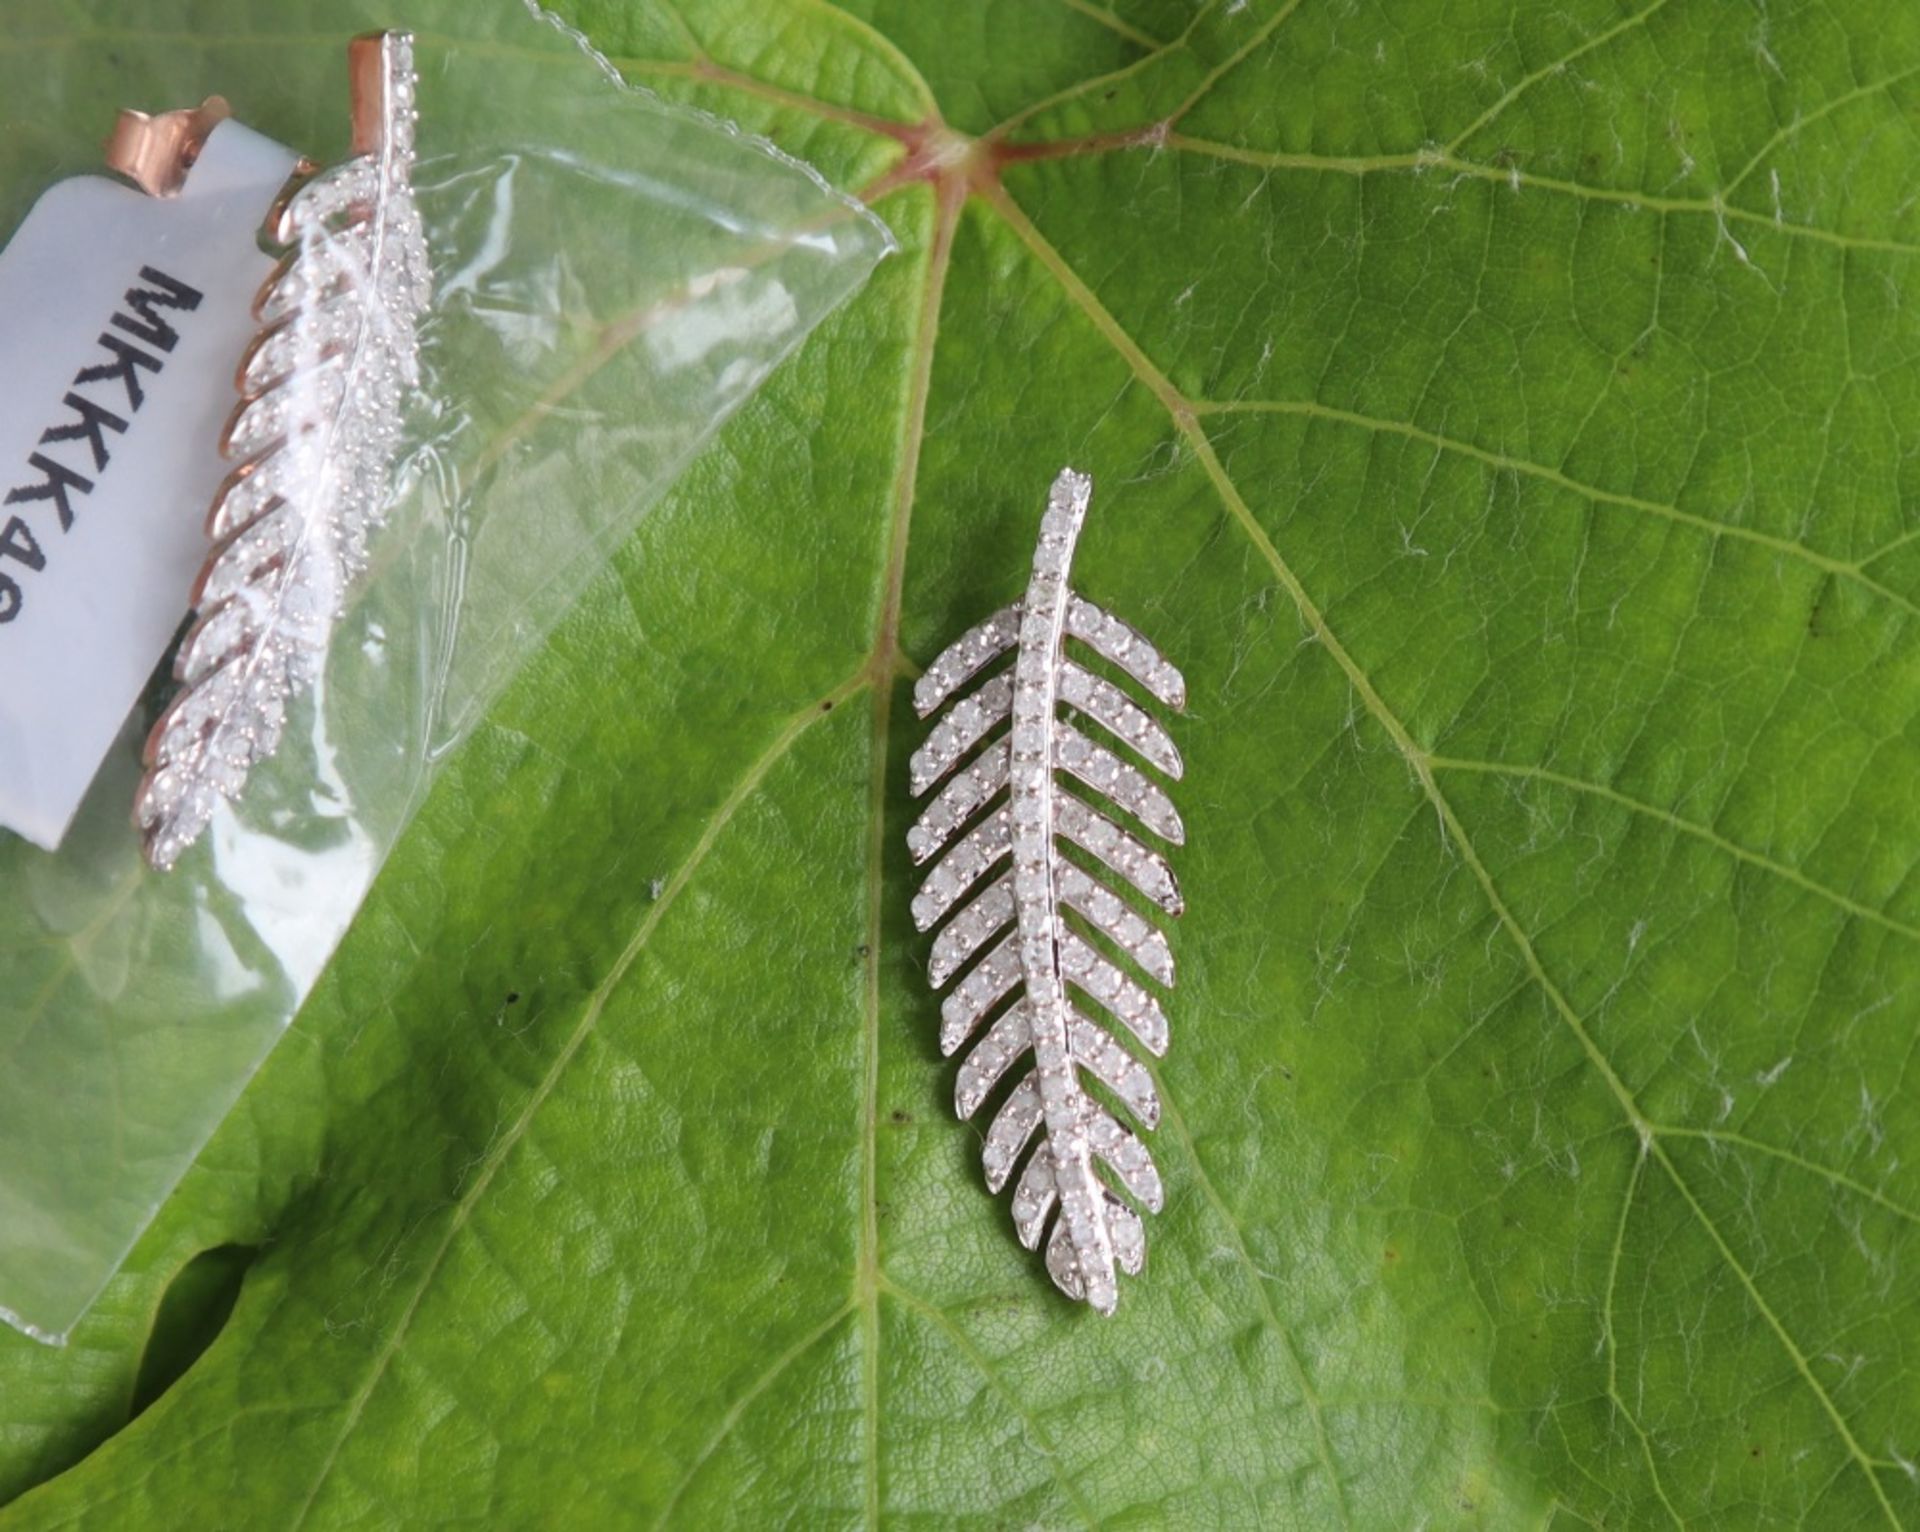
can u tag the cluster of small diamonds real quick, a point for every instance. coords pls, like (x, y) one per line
(1101, 978)
(1126, 1154)
(1115, 919)
(1010, 1036)
(1033, 1200)
(1006, 1040)
(967, 723)
(1095, 1232)
(1064, 1106)
(1116, 642)
(1034, 1197)
(991, 980)
(314, 436)
(970, 930)
(285, 349)
(965, 658)
(1144, 868)
(1013, 1126)
(1117, 713)
(963, 797)
(1106, 773)
(957, 871)
(1114, 1068)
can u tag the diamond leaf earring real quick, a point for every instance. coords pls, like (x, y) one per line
(1064, 915)
(312, 441)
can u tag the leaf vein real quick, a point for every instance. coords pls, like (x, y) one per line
(1612, 1348)
(997, 197)
(497, 1152)
(1186, 421)
(1261, 35)
(1788, 130)
(1303, 1381)
(1106, 18)
(1429, 159)
(991, 1371)
(1711, 837)
(1112, 77)
(1720, 1137)
(885, 663)
(744, 1401)
(1558, 66)
(1764, 1309)
(1508, 463)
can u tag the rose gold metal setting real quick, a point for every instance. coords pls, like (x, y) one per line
(156, 150)
(367, 79)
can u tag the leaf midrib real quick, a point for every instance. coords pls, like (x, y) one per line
(886, 652)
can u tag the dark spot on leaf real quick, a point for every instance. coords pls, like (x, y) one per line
(192, 1313)
(900, 1116)
(862, 952)
(1816, 619)
(1392, 1254)
(827, 706)
(513, 997)
(1756, 1451)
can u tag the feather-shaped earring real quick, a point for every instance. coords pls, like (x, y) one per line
(313, 440)
(1064, 915)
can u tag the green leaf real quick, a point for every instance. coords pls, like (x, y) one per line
(1502, 413)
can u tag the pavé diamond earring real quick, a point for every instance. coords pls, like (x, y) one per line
(1064, 915)
(312, 442)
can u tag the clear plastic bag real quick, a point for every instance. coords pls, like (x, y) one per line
(613, 277)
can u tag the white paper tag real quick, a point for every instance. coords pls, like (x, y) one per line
(122, 319)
